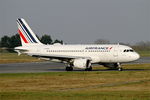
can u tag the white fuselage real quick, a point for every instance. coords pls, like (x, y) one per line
(97, 53)
(80, 56)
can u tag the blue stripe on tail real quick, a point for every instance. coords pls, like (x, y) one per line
(27, 31)
(24, 31)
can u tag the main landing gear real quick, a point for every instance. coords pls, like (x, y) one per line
(69, 68)
(89, 69)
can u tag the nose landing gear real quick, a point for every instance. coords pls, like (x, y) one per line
(119, 67)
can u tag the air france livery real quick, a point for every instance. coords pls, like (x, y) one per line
(79, 56)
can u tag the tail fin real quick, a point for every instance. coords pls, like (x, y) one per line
(26, 34)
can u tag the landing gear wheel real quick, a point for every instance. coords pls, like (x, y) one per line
(88, 69)
(69, 68)
(120, 69)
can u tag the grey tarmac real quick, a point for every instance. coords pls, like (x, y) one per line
(49, 67)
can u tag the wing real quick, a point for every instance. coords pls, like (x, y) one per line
(59, 57)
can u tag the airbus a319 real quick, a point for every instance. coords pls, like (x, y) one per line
(79, 56)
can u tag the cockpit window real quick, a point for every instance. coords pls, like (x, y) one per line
(131, 50)
(128, 50)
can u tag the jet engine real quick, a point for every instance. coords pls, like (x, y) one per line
(81, 63)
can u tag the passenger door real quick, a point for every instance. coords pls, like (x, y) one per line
(115, 53)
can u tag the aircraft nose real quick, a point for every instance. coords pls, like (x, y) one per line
(136, 56)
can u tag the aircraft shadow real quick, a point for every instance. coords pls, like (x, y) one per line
(62, 70)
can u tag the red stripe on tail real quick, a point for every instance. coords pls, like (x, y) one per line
(22, 36)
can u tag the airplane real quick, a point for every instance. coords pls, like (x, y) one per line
(78, 55)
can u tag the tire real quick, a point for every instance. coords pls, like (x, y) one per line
(120, 69)
(69, 68)
(88, 69)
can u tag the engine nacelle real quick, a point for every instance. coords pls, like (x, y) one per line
(81, 63)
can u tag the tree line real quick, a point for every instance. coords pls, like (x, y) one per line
(140, 46)
(10, 42)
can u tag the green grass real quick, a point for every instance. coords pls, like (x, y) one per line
(144, 53)
(93, 95)
(14, 58)
(102, 85)
(94, 85)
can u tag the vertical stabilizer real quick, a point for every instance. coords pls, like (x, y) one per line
(26, 34)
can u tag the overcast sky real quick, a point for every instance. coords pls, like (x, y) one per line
(80, 21)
